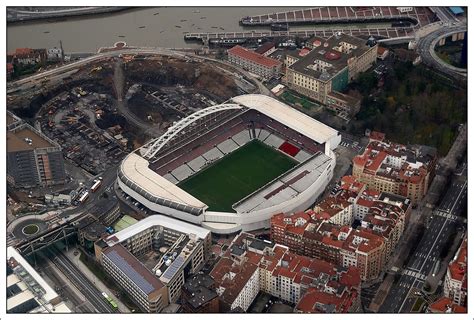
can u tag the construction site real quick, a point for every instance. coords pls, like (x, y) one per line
(102, 111)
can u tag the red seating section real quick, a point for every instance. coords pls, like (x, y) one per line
(290, 149)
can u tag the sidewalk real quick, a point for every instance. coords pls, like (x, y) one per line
(97, 282)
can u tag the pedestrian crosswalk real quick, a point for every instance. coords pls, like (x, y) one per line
(446, 215)
(415, 274)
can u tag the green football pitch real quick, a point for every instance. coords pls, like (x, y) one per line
(237, 175)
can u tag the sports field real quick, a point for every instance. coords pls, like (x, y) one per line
(237, 175)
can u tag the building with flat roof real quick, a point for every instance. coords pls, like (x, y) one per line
(326, 66)
(394, 168)
(142, 285)
(32, 158)
(455, 283)
(199, 295)
(254, 62)
(27, 291)
(178, 249)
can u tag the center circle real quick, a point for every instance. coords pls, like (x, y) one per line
(30, 229)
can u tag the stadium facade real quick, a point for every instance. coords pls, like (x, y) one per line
(151, 174)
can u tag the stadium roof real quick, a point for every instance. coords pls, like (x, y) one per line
(288, 116)
(136, 169)
(156, 220)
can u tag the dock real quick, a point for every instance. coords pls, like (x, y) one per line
(418, 16)
(378, 32)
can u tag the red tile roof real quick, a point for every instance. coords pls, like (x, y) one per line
(253, 56)
(314, 300)
(265, 47)
(445, 304)
(375, 135)
(458, 267)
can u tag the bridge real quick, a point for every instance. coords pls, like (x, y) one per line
(426, 47)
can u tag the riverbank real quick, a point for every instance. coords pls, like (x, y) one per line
(15, 15)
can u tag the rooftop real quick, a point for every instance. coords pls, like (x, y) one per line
(288, 116)
(458, 266)
(134, 269)
(446, 305)
(200, 290)
(332, 52)
(24, 272)
(265, 47)
(156, 220)
(253, 56)
(25, 138)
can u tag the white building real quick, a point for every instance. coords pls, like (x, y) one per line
(27, 291)
(455, 283)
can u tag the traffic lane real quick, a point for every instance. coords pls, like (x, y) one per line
(395, 298)
(108, 179)
(99, 303)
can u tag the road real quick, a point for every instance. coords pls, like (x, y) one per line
(444, 221)
(426, 49)
(95, 297)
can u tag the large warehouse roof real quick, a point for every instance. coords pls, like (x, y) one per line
(156, 220)
(288, 116)
(136, 169)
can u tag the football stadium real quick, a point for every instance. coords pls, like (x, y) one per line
(230, 167)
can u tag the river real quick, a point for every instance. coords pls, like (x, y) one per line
(162, 27)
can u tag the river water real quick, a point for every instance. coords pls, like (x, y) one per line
(154, 27)
(163, 27)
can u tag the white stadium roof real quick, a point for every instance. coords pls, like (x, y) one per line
(135, 168)
(156, 220)
(288, 116)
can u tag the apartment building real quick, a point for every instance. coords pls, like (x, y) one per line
(251, 265)
(254, 62)
(455, 283)
(324, 68)
(143, 287)
(403, 170)
(362, 248)
(445, 305)
(32, 158)
(199, 295)
(179, 250)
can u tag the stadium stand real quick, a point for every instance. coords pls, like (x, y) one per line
(213, 154)
(197, 163)
(241, 138)
(227, 146)
(170, 178)
(302, 156)
(285, 187)
(263, 135)
(182, 172)
(152, 174)
(273, 141)
(289, 149)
